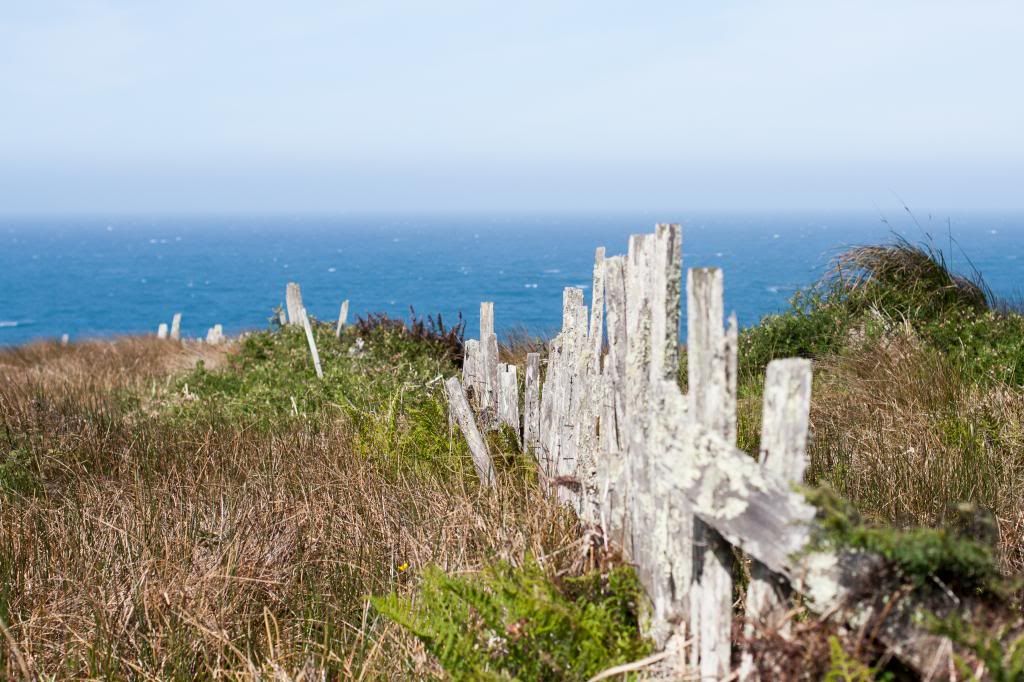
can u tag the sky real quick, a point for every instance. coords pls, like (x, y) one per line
(317, 105)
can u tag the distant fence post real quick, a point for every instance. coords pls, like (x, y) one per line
(215, 335)
(488, 399)
(508, 398)
(342, 318)
(176, 327)
(293, 303)
(161, 331)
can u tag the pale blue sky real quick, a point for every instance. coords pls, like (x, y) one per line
(250, 105)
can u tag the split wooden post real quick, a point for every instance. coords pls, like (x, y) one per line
(508, 394)
(161, 331)
(176, 327)
(459, 408)
(712, 402)
(531, 403)
(304, 317)
(342, 317)
(293, 303)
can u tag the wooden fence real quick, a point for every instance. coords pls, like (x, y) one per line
(658, 471)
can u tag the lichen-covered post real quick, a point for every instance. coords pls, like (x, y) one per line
(293, 303)
(508, 394)
(176, 327)
(531, 403)
(596, 334)
(471, 368)
(784, 427)
(712, 401)
(342, 318)
(615, 321)
(459, 408)
(161, 331)
(312, 343)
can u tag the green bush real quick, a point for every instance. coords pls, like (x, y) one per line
(514, 623)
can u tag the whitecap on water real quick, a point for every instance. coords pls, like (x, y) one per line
(8, 323)
(530, 285)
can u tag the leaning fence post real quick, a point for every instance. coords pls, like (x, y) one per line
(784, 427)
(459, 407)
(293, 302)
(712, 405)
(304, 317)
(342, 317)
(531, 403)
(161, 331)
(176, 327)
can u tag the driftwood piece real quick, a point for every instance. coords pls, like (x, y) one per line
(312, 343)
(176, 327)
(531, 403)
(459, 407)
(161, 331)
(293, 303)
(342, 318)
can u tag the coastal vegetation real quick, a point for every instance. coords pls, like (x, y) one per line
(175, 510)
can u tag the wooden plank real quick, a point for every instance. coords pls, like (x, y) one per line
(508, 404)
(464, 418)
(342, 318)
(176, 327)
(712, 404)
(784, 429)
(161, 331)
(312, 343)
(531, 403)
(293, 303)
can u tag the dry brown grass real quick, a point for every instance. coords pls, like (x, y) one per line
(903, 433)
(140, 547)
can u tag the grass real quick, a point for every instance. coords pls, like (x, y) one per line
(185, 511)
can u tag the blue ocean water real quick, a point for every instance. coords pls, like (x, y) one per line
(104, 276)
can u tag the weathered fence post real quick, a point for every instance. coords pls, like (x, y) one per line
(784, 428)
(342, 317)
(712, 398)
(65, 339)
(508, 398)
(464, 417)
(215, 335)
(293, 303)
(488, 362)
(161, 331)
(304, 318)
(471, 375)
(531, 403)
(176, 327)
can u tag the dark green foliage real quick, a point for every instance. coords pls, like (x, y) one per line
(920, 553)
(514, 623)
(17, 475)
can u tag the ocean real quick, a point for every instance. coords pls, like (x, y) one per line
(105, 276)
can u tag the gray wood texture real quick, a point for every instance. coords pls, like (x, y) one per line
(459, 407)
